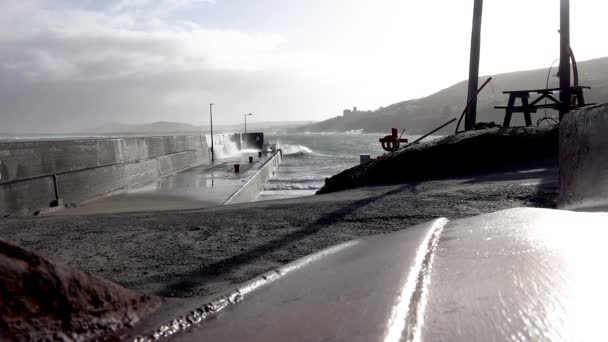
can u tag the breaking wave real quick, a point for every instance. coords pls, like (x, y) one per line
(224, 146)
(296, 150)
(294, 185)
(299, 151)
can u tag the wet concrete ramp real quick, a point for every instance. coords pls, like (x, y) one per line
(198, 187)
(532, 273)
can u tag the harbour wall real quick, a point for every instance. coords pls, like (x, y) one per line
(250, 190)
(38, 175)
(583, 159)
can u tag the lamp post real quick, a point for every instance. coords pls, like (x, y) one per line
(245, 116)
(211, 118)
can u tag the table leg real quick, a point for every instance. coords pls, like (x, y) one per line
(509, 113)
(526, 107)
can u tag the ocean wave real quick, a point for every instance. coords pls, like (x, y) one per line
(351, 132)
(293, 149)
(293, 185)
(296, 150)
(250, 151)
(299, 151)
(299, 154)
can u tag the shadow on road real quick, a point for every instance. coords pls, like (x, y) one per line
(189, 282)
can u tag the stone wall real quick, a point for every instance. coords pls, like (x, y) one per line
(37, 175)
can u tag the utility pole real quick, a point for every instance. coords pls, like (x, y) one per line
(565, 93)
(211, 117)
(471, 116)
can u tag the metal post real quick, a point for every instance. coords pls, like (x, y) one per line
(211, 118)
(565, 94)
(56, 188)
(471, 116)
(245, 116)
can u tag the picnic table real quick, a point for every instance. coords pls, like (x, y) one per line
(527, 107)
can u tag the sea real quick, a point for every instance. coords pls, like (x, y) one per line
(309, 158)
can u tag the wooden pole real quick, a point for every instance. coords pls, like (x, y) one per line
(471, 116)
(565, 94)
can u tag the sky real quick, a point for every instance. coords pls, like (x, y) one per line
(69, 65)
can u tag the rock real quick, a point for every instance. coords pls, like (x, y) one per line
(474, 152)
(41, 300)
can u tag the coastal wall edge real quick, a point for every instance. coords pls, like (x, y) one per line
(583, 163)
(250, 190)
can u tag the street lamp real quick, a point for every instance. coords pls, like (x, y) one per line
(245, 116)
(211, 118)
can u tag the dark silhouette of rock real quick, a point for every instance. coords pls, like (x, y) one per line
(469, 153)
(41, 300)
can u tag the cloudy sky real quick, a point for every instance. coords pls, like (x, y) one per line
(67, 65)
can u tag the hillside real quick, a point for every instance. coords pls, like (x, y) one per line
(167, 127)
(421, 115)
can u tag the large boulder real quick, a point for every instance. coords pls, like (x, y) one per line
(41, 300)
(473, 152)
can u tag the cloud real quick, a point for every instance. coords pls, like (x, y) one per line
(158, 7)
(67, 65)
(67, 68)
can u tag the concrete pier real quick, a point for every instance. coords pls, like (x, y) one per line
(40, 176)
(203, 186)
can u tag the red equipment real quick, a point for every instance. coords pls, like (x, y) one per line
(390, 143)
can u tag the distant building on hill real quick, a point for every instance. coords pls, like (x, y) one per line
(355, 112)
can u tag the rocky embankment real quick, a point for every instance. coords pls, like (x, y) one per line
(41, 300)
(470, 153)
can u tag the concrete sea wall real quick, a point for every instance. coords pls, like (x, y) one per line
(583, 159)
(250, 190)
(41, 174)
